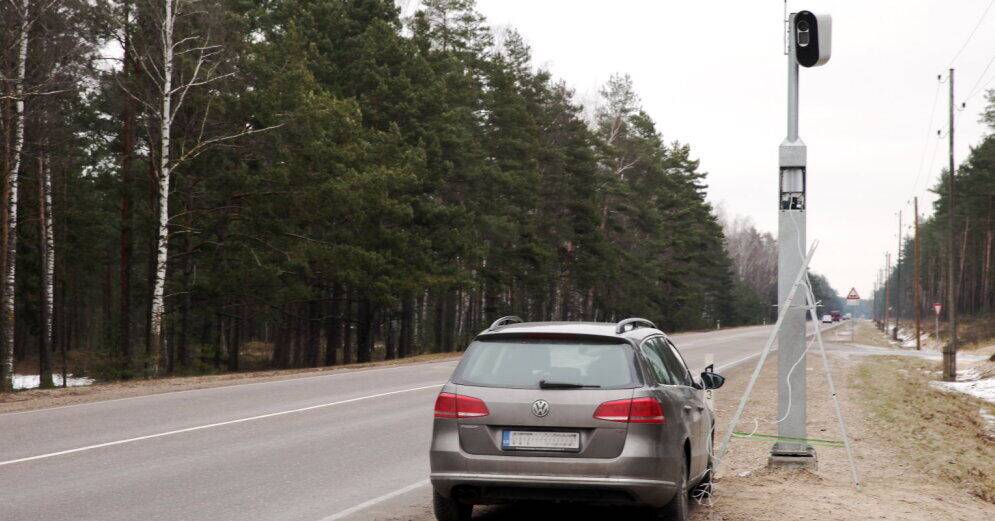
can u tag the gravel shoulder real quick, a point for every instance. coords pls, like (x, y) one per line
(906, 471)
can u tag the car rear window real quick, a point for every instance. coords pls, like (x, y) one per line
(522, 363)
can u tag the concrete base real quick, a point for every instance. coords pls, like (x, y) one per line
(807, 460)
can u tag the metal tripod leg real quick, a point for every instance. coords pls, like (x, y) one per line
(781, 313)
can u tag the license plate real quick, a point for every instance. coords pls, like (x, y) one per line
(540, 440)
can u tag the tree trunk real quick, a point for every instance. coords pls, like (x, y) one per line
(313, 332)
(162, 221)
(130, 68)
(364, 332)
(347, 324)
(10, 274)
(333, 325)
(406, 338)
(235, 339)
(47, 250)
(389, 341)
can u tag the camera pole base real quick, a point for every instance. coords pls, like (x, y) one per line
(792, 458)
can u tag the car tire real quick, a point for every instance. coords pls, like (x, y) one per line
(448, 509)
(679, 507)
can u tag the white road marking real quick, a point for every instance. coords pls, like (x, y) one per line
(741, 360)
(367, 504)
(288, 379)
(211, 425)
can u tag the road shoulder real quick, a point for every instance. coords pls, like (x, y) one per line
(901, 462)
(36, 399)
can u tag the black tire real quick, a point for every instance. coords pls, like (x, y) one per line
(678, 509)
(447, 509)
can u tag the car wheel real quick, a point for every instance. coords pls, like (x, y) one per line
(448, 509)
(677, 509)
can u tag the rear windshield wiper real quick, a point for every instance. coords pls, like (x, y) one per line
(543, 384)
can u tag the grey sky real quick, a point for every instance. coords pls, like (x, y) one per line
(712, 74)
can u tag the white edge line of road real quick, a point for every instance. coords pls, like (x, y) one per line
(380, 499)
(211, 425)
(772, 349)
(333, 372)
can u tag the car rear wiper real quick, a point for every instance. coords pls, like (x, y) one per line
(543, 384)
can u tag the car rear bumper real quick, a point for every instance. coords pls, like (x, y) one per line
(496, 488)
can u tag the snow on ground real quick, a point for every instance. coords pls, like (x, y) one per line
(969, 381)
(907, 337)
(31, 381)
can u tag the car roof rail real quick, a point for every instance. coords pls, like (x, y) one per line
(504, 321)
(634, 322)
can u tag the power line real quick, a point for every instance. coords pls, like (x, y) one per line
(929, 133)
(970, 36)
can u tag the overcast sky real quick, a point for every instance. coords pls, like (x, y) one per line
(712, 74)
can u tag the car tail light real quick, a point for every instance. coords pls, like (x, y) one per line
(635, 410)
(449, 405)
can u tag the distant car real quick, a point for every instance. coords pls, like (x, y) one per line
(837, 316)
(827, 319)
(572, 411)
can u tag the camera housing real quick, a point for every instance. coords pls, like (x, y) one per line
(812, 37)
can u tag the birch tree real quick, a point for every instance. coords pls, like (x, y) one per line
(46, 229)
(10, 274)
(172, 86)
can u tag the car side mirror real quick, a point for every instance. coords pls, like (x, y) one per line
(712, 380)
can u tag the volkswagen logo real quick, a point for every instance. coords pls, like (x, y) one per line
(540, 408)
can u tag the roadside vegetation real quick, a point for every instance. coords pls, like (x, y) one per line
(974, 241)
(330, 183)
(944, 434)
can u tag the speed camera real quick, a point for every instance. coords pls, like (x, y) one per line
(812, 38)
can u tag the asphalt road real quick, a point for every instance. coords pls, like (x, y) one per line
(350, 445)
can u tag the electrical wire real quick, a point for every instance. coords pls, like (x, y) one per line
(973, 31)
(925, 145)
(981, 76)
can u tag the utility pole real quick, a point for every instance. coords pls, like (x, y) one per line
(917, 303)
(898, 280)
(887, 289)
(950, 350)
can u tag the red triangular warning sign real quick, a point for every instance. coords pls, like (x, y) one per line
(853, 294)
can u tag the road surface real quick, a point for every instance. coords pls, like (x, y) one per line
(350, 445)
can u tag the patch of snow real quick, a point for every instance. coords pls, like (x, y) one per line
(984, 389)
(31, 381)
(989, 421)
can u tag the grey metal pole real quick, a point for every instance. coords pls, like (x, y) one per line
(791, 256)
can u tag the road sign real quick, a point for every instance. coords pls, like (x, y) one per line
(937, 308)
(852, 298)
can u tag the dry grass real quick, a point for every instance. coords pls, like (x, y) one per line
(941, 433)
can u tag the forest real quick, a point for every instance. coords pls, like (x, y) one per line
(194, 186)
(974, 189)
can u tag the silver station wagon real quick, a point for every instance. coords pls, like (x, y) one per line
(572, 411)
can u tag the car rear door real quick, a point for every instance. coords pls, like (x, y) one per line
(695, 407)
